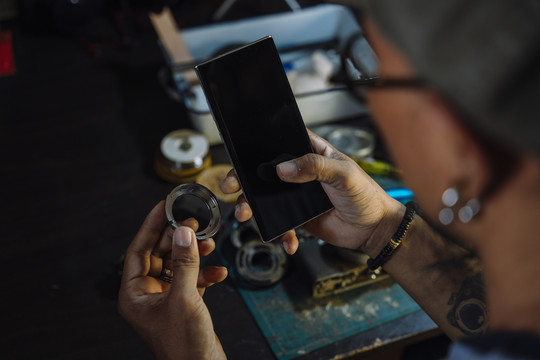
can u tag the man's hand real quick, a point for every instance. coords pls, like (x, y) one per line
(172, 318)
(362, 209)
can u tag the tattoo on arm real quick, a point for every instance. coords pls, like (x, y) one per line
(469, 310)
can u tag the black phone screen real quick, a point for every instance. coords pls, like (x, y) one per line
(259, 121)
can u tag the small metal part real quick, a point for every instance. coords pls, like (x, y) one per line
(352, 141)
(356, 143)
(242, 232)
(194, 200)
(261, 264)
(330, 272)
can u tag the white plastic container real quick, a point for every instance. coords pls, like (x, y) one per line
(318, 24)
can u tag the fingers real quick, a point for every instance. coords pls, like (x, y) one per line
(211, 275)
(320, 146)
(230, 184)
(151, 229)
(326, 164)
(188, 279)
(185, 262)
(242, 211)
(161, 254)
(206, 246)
(191, 222)
(290, 242)
(323, 147)
(164, 244)
(137, 262)
(312, 167)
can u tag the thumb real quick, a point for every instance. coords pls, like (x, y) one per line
(312, 167)
(185, 261)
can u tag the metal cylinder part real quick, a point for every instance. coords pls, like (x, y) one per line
(194, 200)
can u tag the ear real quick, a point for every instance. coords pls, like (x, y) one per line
(467, 159)
(426, 138)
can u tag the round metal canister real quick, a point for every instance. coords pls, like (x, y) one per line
(182, 155)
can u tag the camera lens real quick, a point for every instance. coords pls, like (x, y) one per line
(191, 206)
(193, 200)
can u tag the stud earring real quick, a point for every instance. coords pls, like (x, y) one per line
(469, 211)
(450, 198)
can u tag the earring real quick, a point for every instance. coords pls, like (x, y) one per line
(450, 198)
(469, 211)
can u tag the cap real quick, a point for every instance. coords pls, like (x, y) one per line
(482, 55)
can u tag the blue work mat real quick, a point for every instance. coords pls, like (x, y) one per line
(294, 323)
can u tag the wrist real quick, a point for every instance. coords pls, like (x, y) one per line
(384, 230)
(395, 240)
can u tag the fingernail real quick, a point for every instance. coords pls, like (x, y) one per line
(287, 169)
(183, 237)
(287, 247)
(230, 181)
(239, 208)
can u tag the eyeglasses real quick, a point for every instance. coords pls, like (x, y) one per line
(359, 86)
(360, 65)
(377, 82)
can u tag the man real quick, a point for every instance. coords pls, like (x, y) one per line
(465, 139)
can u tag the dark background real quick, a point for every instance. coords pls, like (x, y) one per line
(80, 121)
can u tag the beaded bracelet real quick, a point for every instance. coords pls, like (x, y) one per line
(395, 240)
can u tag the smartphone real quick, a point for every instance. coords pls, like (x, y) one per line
(260, 124)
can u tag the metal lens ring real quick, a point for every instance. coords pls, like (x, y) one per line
(194, 200)
(261, 264)
(243, 232)
(353, 142)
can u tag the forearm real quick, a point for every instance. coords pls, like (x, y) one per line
(436, 275)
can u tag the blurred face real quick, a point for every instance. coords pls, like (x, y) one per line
(406, 118)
